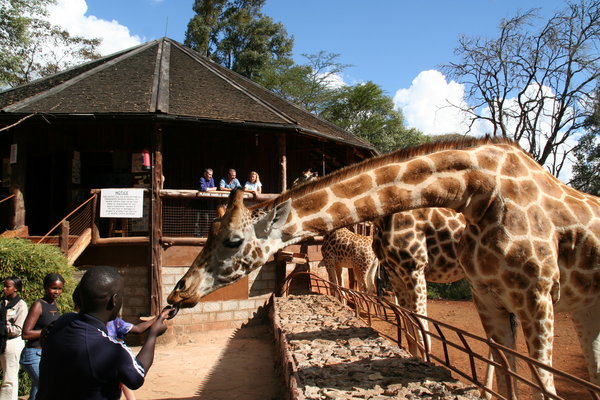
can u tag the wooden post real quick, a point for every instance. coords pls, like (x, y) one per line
(156, 225)
(280, 273)
(17, 219)
(282, 158)
(63, 237)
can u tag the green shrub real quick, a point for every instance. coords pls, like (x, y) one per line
(31, 262)
(459, 290)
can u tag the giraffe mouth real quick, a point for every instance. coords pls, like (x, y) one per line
(174, 310)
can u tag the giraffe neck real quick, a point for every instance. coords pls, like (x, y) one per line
(464, 180)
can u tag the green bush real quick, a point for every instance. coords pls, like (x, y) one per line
(31, 262)
(459, 290)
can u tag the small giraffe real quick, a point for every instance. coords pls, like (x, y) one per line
(531, 245)
(345, 249)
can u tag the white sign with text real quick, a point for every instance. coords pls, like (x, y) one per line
(122, 203)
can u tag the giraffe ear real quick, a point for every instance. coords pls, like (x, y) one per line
(273, 220)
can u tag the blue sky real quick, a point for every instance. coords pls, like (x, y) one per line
(399, 45)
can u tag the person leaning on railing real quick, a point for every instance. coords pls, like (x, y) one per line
(207, 182)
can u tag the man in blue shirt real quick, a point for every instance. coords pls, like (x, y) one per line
(207, 183)
(229, 182)
(80, 361)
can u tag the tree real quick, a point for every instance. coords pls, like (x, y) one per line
(311, 85)
(534, 87)
(235, 34)
(31, 47)
(367, 112)
(586, 170)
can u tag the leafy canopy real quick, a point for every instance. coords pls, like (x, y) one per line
(366, 111)
(235, 34)
(31, 47)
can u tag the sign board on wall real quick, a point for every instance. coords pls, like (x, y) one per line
(122, 203)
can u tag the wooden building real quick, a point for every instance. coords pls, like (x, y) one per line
(72, 134)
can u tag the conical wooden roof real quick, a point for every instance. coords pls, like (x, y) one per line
(165, 77)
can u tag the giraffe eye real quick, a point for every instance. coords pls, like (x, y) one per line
(233, 243)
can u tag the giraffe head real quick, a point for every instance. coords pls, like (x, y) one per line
(238, 242)
(305, 176)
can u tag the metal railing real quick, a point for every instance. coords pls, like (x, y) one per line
(448, 343)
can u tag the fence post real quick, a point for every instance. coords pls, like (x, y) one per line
(63, 237)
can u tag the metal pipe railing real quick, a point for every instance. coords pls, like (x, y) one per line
(408, 323)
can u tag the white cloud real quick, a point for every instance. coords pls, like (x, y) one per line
(71, 16)
(426, 105)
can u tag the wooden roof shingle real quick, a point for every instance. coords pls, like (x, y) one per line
(165, 77)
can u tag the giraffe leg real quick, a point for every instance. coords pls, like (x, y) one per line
(410, 289)
(539, 335)
(587, 324)
(497, 323)
(370, 276)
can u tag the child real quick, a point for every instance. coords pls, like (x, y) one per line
(118, 329)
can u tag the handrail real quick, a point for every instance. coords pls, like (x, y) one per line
(65, 218)
(7, 198)
(368, 306)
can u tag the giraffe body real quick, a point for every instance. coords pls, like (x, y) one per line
(345, 249)
(417, 246)
(531, 245)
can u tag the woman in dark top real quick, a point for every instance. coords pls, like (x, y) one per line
(41, 314)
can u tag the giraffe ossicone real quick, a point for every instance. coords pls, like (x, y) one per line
(531, 245)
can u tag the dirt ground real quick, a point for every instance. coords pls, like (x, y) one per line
(226, 364)
(238, 363)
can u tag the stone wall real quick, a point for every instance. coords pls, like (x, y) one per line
(229, 307)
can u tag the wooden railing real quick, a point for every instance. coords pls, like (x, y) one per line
(453, 342)
(74, 232)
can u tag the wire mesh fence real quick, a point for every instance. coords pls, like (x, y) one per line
(188, 217)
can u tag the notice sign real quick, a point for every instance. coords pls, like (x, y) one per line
(122, 203)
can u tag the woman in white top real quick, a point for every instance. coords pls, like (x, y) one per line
(13, 311)
(253, 183)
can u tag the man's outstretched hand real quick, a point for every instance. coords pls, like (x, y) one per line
(159, 326)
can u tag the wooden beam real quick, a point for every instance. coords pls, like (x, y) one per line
(182, 241)
(122, 240)
(156, 224)
(282, 159)
(80, 245)
(63, 237)
(18, 209)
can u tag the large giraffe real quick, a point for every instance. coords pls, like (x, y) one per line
(531, 245)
